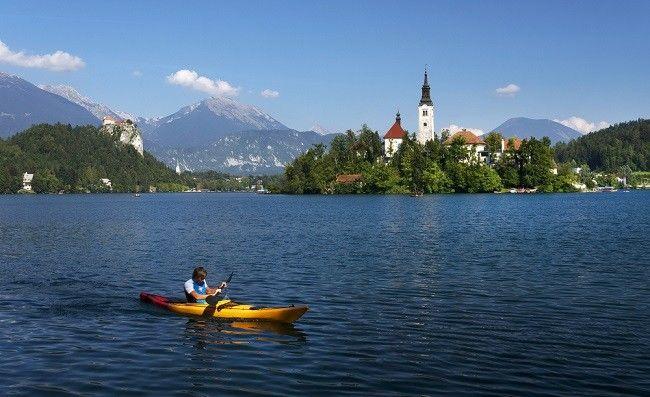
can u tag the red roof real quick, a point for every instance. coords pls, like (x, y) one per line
(349, 178)
(395, 132)
(468, 137)
(517, 143)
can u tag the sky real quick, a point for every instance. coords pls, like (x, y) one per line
(340, 64)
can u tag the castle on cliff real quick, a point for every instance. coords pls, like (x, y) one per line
(127, 130)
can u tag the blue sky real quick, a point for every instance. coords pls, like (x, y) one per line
(345, 63)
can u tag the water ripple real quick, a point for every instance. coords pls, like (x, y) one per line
(441, 295)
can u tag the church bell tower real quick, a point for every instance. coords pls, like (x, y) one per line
(426, 132)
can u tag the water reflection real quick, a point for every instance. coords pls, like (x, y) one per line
(204, 333)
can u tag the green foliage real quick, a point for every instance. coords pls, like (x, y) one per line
(624, 144)
(75, 159)
(45, 181)
(481, 179)
(164, 187)
(413, 168)
(378, 178)
(493, 144)
(640, 178)
(435, 180)
(536, 164)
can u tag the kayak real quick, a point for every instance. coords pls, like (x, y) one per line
(227, 309)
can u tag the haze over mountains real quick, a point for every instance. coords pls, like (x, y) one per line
(216, 133)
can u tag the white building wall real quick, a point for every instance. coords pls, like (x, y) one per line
(391, 146)
(425, 124)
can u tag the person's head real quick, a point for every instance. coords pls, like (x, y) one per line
(199, 274)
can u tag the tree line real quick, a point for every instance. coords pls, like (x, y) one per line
(75, 159)
(621, 145)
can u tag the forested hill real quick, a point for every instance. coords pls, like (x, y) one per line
(63, 157)
(610, 148)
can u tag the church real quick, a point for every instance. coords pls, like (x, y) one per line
(426, 131)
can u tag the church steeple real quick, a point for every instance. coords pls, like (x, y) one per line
(398, 119)
(426, 91)
(426, 131)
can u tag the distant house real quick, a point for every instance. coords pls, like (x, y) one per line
(393, 137)
(107, 182)
(27, 182)
(505, 143)
(505, 146)
(347, 179)
(474, 145)
(108, 120)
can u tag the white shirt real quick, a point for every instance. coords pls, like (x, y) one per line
(191, 284)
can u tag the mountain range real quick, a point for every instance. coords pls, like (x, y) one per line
(202, 123)
(22, 105)
(214, 134)
(245, 152)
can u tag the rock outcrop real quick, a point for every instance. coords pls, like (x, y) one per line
(126, 131)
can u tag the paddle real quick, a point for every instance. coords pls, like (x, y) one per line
(214, 296)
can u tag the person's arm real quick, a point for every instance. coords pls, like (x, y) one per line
(214, 291)
(189, 288)
(197, 296)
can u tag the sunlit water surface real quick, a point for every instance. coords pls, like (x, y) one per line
(455, 294)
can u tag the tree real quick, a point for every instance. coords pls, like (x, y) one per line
(610, 148)
(369, 145)
(456, 151)
(537, 161)
(380, 178)
(69, 151)
(435, 180)
(91, 180)
(46, 182)
(493, 145)
(434, 151)
(13, 162)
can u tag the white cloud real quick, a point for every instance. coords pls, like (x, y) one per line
(58, 61)
(136, 73)
(581, 125)
(509, 90)
(269, 93)
(191, 79)
(453, 128)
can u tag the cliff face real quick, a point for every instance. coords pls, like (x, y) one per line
(128, 134)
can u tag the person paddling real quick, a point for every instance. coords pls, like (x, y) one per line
(196, 288)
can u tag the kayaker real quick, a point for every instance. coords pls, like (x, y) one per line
(196, 288)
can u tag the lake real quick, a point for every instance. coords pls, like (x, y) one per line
(441, 294)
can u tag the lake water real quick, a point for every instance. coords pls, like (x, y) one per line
(452, 294)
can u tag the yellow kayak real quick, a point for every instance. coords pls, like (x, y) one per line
(227, 309)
